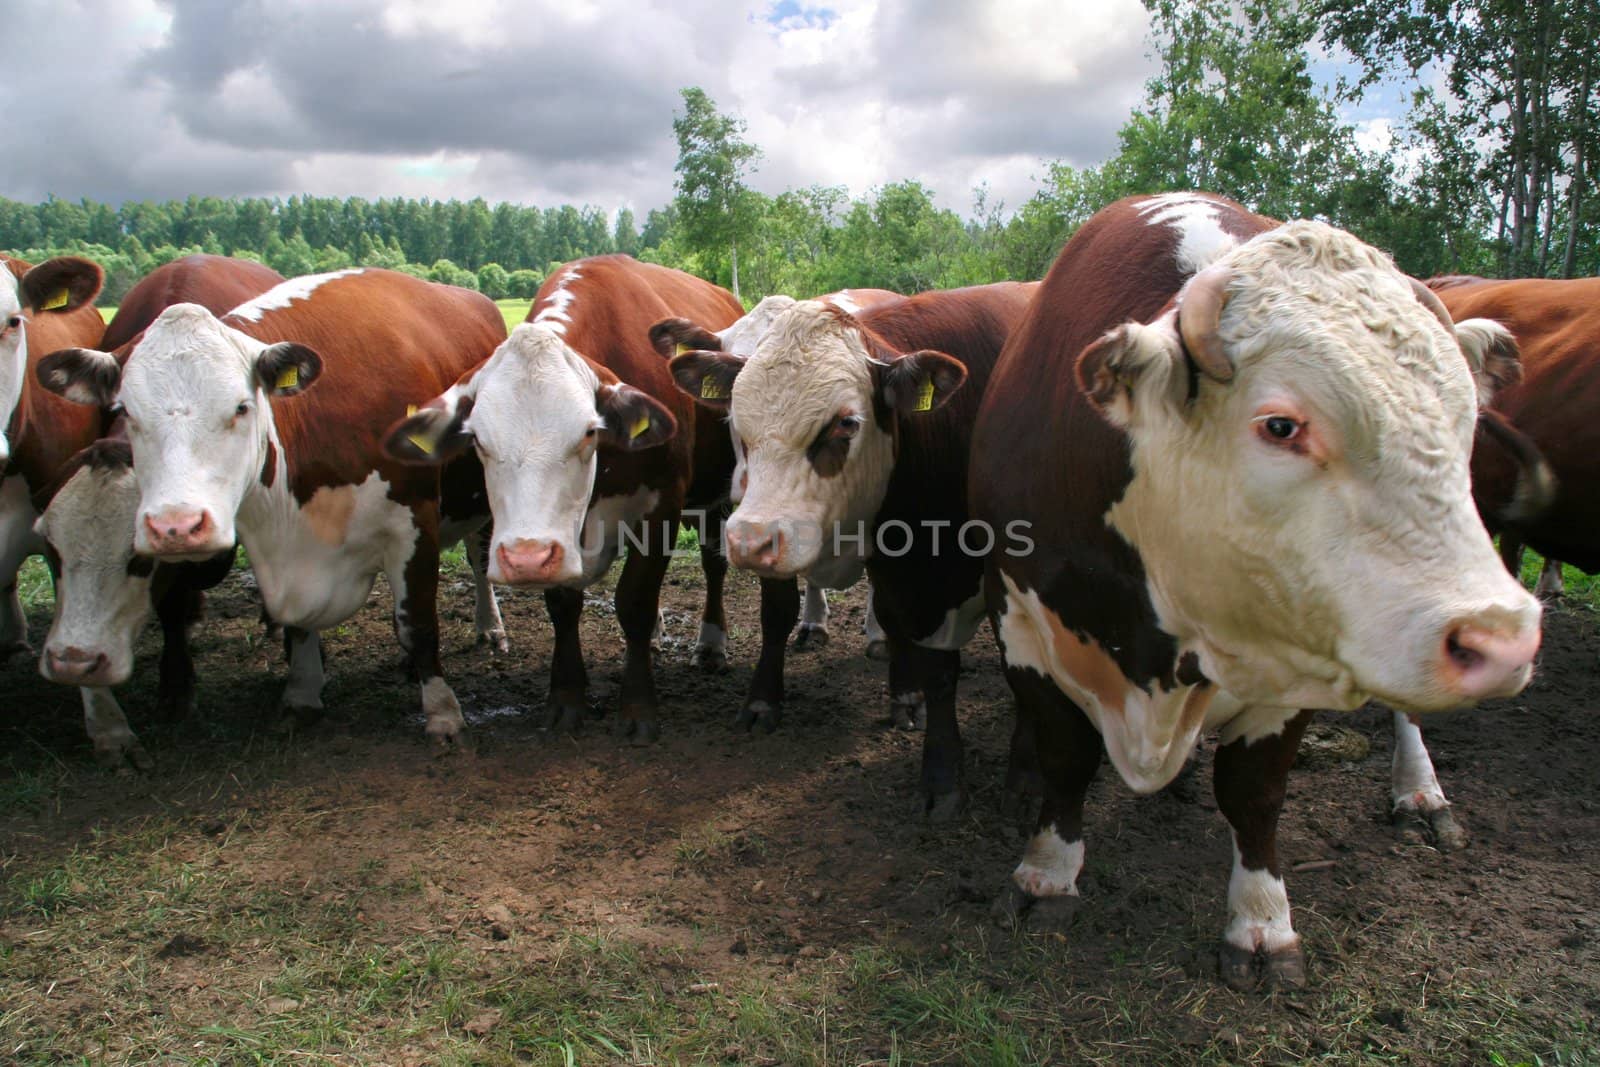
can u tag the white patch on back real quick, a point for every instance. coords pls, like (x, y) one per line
(285, 293)
(1197, 219)
(557, 313)
(843, 301)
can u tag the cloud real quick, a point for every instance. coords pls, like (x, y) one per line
(569, 102)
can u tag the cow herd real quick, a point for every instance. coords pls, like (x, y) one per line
(1209, 473)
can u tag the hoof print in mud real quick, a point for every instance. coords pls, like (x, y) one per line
(811, 638)
(1248, 971)
(1440, 828)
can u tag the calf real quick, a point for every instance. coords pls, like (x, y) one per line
(224, 447)
(585, 443)
(42, 308)
(855, 438)
(1241, 451)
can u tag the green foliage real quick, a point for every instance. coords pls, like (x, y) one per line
(716, 210)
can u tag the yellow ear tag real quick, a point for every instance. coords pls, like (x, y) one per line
(288, 378)
(925, 396)
(58, 299)
(424, 445)
(711, 389)
(411, 409)
(682, 348)
(639, 427)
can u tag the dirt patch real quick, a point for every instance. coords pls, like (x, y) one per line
(752, 897)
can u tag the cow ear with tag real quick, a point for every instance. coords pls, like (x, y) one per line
(674, 337)
(433, 434)
(707, 377)
(1132, 361)
(62, 284)
(633, 420)
(81, 375)
(919, 382)
(286, 368)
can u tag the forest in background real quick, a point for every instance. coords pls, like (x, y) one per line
(1490, 171)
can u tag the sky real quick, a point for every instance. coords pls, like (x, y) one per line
(558, 101)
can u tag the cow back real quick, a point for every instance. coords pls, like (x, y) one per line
(216, 283)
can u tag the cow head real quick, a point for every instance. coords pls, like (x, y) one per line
(102, 587)
(538, 414)
(54, 287)
(197, 397)
(815, 410)
(1300, 425)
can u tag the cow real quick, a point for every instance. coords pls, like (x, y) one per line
(42, 308)
(225, 448)
(855, 438)
(90, 533)
(671, 337)
(1240, 449)
(586, 445)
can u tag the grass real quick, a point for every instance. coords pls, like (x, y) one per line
(514, 311)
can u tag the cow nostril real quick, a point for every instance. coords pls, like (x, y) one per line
(1462, 656)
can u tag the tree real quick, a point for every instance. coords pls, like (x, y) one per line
(494, 281)
(715, 209)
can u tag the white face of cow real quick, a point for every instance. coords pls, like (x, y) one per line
(102, 589)
(812, 412)
(58, 285)
(537, 413)
(13, 354)
(195, 392)
(1307, 527)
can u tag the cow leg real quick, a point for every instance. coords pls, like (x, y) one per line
(1251, 769)
(813, 620)
(711, 649)
(177, 608)
(780, 607)
(108, 731)
(1420, 811)
(1511, 552)
(907, 708)
(1551, 584)
(1044, 887)
(569, 682)
(944, 787)
(638, 604)
(17, 543)
(877, 642)
(415, 583)
(485, 607)
(301, 703)
(1024, 782)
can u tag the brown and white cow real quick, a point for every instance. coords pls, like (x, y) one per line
(1241, 451)
(763, 703)
(855, 432)
(224, 448)
(586, 445)
(101, 589)
(41, 309)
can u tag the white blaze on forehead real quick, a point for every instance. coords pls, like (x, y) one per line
(285, 293)
(741, 338)
(1198, 221)
(557, 311)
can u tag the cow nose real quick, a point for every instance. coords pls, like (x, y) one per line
(178, 530)
(1482, 662)
(755, 546)
(527, 561)
(74, 666)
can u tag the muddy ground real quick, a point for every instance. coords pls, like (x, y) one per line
(346, 895)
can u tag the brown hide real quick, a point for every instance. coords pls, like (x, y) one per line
(217, 283)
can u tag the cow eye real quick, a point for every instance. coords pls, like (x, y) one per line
(242, 409)
(847, 425)
(1279, 429)
(590, 432)
(13, 322)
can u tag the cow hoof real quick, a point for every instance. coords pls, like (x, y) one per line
(176, 707)
(1247, 971)
(758, 713)
(878, 650)
(563, 718)
(1439, 828)
(449, 739)
(942, 808)
(1052, 915)
(908, 713)
(124, 759)
(292, 718)
(496, 640)
(1011, 906)
(711, 660)
(811, 638)
(639, 731)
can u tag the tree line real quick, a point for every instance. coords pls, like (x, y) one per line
(1490, 171)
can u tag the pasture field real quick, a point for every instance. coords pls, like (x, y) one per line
(346, 896)
(513, 311)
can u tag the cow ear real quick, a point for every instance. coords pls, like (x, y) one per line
(674, 337)
(433, 434)
(1492, 355)
(62, 284)
(633, 420)
(1132, 361)
(286, 368)
(81, 375)
(708, 377)
(919, 382)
